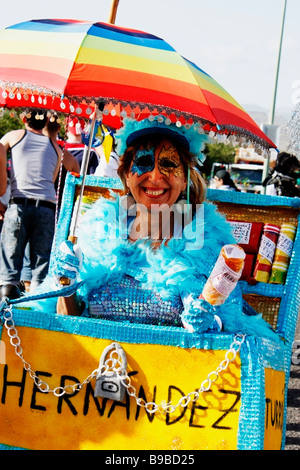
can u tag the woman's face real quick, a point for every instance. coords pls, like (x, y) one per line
(156, 175)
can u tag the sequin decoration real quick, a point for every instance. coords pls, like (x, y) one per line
(128, 300)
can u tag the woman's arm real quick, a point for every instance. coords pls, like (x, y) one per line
(68, 261)
(70, 305)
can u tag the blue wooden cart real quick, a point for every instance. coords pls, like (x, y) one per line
(214, 390)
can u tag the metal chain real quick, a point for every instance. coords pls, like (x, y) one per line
(42, 386)
(115, 365)
(212, 377)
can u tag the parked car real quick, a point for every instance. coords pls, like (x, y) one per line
(247, 177)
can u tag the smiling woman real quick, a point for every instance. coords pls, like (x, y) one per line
(159, 160)
(147, 254)
(156, 175)
(156, 180)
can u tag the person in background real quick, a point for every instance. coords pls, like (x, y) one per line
(4, 185)
(108, 167)
(3, 170)
(30, 215)
(52, 129)
(75, 145)
(70, 164)
(282, 181)
(223, 180)
(3, 207)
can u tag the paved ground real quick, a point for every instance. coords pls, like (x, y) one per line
(293, 410)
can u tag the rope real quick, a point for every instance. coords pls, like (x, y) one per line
(65, 291)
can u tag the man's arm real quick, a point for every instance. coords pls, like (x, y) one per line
(11, 138)
(3, 170)
(70, 163)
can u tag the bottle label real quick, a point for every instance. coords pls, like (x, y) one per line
(285, 244)
(241, 231)
(267, 248)
(223, 278)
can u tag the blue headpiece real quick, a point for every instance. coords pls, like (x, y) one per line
(192, 137)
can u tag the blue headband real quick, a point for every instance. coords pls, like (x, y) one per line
(190, 137)
(181, 139)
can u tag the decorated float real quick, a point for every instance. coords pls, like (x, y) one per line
(82, 383)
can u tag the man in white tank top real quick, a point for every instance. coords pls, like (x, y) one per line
(30, 216)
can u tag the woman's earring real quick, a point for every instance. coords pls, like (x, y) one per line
(182, 204)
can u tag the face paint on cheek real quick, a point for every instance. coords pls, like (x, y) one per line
(143, 161)
(169, 162)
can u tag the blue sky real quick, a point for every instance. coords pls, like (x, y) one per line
(235, 41)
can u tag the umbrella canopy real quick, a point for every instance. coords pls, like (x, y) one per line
(67, 65)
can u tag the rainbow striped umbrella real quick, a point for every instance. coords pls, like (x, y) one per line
(68, 65)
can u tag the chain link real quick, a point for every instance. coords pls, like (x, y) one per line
(183, 402)
(41, 385)
(115, 364)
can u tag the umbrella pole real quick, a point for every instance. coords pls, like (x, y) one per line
(87, 148)
(83, 172)
(113, 11)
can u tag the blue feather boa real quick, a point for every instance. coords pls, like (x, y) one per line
(176, 267)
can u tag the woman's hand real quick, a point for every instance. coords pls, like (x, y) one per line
(68, 263)
(199, 316)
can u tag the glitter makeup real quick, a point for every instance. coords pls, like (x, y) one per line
(143, 161)
(169, 162)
